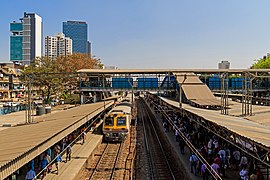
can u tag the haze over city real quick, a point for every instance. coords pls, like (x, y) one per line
(156, 33)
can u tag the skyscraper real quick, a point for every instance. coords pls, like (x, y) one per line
(26, 38)
(77, 31)
(16, 41)
(58, 45)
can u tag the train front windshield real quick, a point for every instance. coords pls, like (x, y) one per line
(109, 121)
(121, 121)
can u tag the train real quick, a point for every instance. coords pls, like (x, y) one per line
(117, 121)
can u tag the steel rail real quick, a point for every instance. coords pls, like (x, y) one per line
(158, 140)
(193, 149)
(102, 159)
(149, 155)
(116, 160)
(188, 143)
(95, 169)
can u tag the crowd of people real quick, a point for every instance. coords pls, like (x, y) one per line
(49, 161)
(218, 153)
(53, 156)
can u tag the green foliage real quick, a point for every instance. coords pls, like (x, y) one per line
(263, 63)
(41, 75)
(54, 77)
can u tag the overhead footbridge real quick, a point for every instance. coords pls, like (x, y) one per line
(21, 144)
(94, 81)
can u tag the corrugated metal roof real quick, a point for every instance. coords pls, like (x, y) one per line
(146, 71)
(195, 90)
(16, 141)
(188, 78)
(250, 129)
(200, 91)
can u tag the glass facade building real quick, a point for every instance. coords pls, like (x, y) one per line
(77, 31)
(16, 41)
(26, 38)
(16, 48)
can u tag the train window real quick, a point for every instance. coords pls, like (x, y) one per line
(109, 121)
(121, 121)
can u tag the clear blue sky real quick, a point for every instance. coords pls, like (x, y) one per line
(156, 33)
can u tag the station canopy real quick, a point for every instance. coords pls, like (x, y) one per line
(195, 90)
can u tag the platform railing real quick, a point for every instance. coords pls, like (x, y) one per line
(80, 136)
(125, 85)
(21, 160)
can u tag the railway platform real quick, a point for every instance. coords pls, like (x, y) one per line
(80, 153)
(18, 118)
(175, 146)
(21, 144)
(240, 137)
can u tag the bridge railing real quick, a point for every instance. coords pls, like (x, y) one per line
(126, 84)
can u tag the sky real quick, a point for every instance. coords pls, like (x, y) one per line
(156, 33)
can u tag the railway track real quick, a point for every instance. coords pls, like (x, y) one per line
(105, 167)
(112, 160)
(159, 165)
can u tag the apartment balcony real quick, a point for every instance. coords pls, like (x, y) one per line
(4, 79)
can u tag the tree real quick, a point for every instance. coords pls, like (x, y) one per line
(263, 63)
(72, 63)
(57, 77)
(42, 75)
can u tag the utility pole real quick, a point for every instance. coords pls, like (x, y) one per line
(28, 103)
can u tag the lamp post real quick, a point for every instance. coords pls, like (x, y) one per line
(180, 91)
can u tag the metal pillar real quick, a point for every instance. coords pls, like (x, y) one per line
(180, 91)
(103, 85)
(224, 93)
(247, 93)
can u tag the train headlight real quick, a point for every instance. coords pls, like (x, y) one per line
(107, 134)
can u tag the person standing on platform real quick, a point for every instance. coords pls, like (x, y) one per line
(182, 146)
(243, 162)
(31, 164)
(31, 174)
(57, 160)
(236, 158)
(48, 158)
(43, 165)
(83, 137)
(68, 153)
(193, 163)
(216, 168)
(244, 174)
(165, 126)
(205, 172)
(177, 136)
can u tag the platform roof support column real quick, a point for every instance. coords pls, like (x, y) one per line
(247, 93)
(180, 91)
(224, 93)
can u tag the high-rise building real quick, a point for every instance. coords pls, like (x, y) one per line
(224, 65)
(77, 31)
(26, 38)
(58, 45)
(16, 41)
